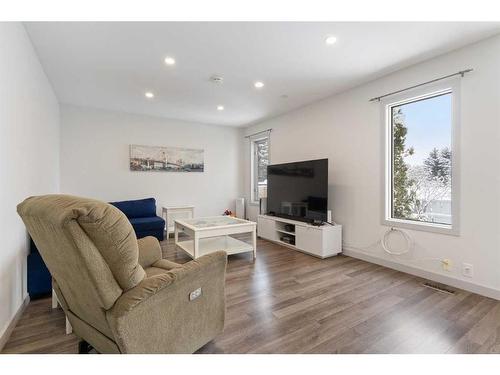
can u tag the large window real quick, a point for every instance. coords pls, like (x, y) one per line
(421, 165)
(260, 161)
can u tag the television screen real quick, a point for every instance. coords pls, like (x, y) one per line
(298, 190)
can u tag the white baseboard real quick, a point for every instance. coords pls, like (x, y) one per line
(10, 327)
(416, 271)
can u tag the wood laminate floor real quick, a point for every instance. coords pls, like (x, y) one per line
(289, 302)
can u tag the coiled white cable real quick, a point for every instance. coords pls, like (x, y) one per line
(410, 246)
(409, 242)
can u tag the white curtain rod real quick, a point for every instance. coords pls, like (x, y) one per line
(262, 131)
(461, 73)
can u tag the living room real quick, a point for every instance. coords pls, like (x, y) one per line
(250, 187)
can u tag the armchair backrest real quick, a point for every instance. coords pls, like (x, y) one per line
(90, 249)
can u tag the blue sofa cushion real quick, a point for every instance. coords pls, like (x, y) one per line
(142, 224)
(137, 208)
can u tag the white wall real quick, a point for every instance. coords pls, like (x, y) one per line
(346, 128)
(29, 155)
(95, 159)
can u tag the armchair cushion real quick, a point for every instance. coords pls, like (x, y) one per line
(166, 264)
(160, 267)
(149, 251)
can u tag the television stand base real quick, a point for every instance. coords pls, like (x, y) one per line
(323, 240)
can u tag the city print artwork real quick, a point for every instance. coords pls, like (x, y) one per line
(166, 159)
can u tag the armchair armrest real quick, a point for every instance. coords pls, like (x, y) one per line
(149, 251)
(160, 314)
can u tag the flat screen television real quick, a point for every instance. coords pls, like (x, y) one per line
(298, 190)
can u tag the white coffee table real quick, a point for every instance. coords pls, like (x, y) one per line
(209, 234)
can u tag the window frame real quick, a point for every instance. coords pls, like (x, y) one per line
(254, 183)
(428, 91)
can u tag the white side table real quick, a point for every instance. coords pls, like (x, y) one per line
(172, 213)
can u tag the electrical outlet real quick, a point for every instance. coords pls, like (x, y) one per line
(467, 269)
(446, 264)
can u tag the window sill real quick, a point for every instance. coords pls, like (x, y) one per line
(422, 226)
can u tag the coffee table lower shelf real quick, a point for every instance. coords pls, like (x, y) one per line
(208, 245)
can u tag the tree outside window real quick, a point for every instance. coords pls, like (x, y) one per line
(421, 160)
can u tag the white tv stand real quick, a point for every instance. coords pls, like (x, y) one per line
(321, 241)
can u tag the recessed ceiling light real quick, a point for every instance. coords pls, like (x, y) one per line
(216, 79)
(149, 95)
(259, 84)
(220, 107)
(169, 60)
(330, 40)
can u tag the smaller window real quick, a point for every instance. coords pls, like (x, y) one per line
(260, 161)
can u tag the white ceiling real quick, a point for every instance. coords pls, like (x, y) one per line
(111, 65)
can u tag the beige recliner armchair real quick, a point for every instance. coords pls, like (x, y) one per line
(116, 291)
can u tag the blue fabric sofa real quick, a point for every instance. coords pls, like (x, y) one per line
(142, 215)
(39, 279)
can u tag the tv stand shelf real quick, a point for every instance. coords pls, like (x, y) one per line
(321, 241)
(285, 232)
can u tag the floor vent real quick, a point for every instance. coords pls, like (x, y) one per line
(439, 287)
